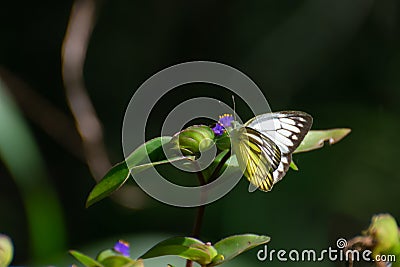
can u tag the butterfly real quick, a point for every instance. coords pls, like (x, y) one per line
(264, 145)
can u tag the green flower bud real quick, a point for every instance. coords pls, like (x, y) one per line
(106, 254)
(6, 251)
(193, 140)
(385, 232)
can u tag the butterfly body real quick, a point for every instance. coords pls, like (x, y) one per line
(264, 145)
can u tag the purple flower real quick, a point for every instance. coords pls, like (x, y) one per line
(122, 247)
(226, 120)
(223, 122)
(218, 129)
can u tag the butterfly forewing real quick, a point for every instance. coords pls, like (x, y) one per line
(258, 156)
(287, 129)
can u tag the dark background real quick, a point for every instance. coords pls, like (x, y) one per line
(337, 60)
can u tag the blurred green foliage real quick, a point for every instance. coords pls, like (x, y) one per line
(20, 154)
(337, 60)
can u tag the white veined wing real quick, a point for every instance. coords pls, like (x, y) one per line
(286, 129)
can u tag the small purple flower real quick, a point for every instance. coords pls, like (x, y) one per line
(223, 122)
(218, 129)
(226, 120)
(122, 247)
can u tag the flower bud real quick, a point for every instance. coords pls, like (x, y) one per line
(193, 139)
(385, 232)
(6, 251)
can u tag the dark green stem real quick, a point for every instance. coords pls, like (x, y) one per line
(197, 227)
(221, 164)
(199, 216)
(198, 222)
(201, 209)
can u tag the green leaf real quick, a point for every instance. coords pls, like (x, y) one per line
(185, 247)
(121, 261)
(223, 142)
(6, 250)
(232, 246)
(140, 168)
(85, 260)
(209, 171)
(151, 149)
(105, 254)
(316, 139)
(138, 263)
(313, 140)
(293, 166)
(111, 182)
(111, 258)
(119, 174)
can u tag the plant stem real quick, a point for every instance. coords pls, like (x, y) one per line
(199, 221)
(214, 175)
(197, 227)
(199, 216)
(201, 178)
(201, 209)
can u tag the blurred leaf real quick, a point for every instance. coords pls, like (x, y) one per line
(315, 139)
(186, 247)
(232, 246)
(6, 251)
(85, 260)
(385, 233)
(121, 261)
(21, 156)
(119, 174)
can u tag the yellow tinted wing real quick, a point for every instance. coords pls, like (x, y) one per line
(257, 155)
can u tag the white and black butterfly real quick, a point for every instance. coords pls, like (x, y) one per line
(264, 145)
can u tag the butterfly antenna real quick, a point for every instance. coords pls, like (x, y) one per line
(234, 107)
